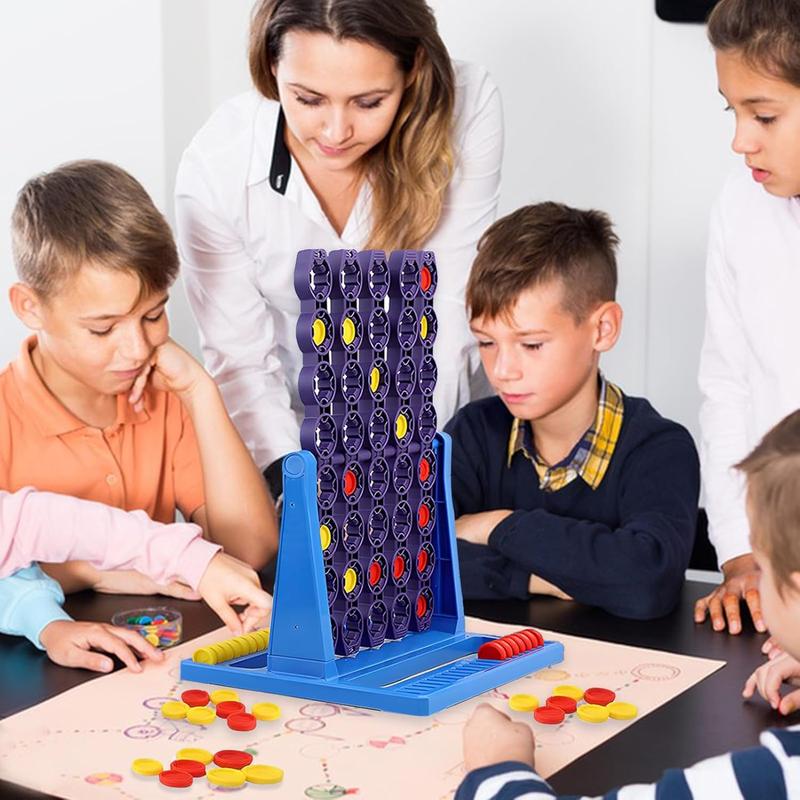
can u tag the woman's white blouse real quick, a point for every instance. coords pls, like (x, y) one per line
(244, 210)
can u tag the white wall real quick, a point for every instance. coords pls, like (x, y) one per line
(605, 106)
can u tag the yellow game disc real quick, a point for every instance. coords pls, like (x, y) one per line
(201, 715)
(523, 702)
(174, 709)
(374, 379)
(262, 637)
(147, 766)
(591, 713)
(569, 691)
(152, 638)
(221, 695)
(205, 655)
(350, 579)
(348, 330)
(318, 332)
(620, 710)
(325, 536)
(423, 327)
(224, 650)
(196, 754)
(265, 711)
(401, 426)
(225, 776)
(262, 773)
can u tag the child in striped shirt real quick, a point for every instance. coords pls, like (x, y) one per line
(499, 754)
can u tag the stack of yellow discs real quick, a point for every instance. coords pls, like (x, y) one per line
(236, 647)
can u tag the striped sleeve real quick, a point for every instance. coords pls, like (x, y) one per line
(768, 772)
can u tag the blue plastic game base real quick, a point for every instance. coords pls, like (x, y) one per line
(418, 675)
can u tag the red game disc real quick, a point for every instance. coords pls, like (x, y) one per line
(234, 759)
(566, 704)
(228, 707)
(374, 573)
(195, 697)
(492, 651)
(507, 649)
(539, 637)
(422, 606)
(350, 482)
(425, 279)
(424, 469)
(194, 768)
(598, 696)
(422, 561)
(514, 645)
(529, 638)
(423, 515)
(549, 715)
(399, 567)
(242, 721)
(175, 778)
(521, 642)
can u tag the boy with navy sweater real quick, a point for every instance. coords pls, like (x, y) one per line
(562, 484)
(499, 753)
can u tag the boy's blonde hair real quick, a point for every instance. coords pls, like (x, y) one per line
(89, 212)
(773, 495)
(541, 243)
(765, 32)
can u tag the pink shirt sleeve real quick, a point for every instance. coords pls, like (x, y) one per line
(48, 527)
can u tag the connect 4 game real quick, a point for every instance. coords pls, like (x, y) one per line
(368, 608)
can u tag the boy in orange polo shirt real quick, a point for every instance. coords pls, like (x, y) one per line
(100, 403)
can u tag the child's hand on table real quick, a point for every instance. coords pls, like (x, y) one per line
(228, 582)
(71, 644)
(769, 678)
(490, 737)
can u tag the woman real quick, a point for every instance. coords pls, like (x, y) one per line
(361, 134)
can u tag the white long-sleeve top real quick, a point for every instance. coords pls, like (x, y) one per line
(749, 368)
(241, 221)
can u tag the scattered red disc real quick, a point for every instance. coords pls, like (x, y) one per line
(549, 715)
(194, 768)
(422, 606)
(521, 642)
(424, 469)
(566, 704)
(423, 515)
(228, 707)
(234, 759)
(350, 482)
(374, 573)
(422, 560)
(196, 697)
(598, 696)
(398, 567)
(492, 651)
(242, 721)
(515, 648)
(175, 778)
(425, 279)
(529, 638)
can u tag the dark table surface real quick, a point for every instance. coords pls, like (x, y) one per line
(708, 719)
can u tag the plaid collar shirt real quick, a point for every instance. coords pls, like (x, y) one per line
(589, 458)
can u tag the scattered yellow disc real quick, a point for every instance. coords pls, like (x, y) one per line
(374, 379)
(423, 327)
(569, 691)
(147, 766)
(401, 426)
(205, 655)
(318, 332)
(174, 709)
(523, 702)
(325, 536)
(592, 713)
(201, 715)
(152, 638)
(262, 773)
(265, 711)
(196, 754)
(350, 579)
(224, 776)
(221, 695)
(348, 330)
(620, 710)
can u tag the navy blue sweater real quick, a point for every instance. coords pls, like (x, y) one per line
(623, 546)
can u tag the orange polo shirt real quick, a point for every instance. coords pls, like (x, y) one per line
(146, 460)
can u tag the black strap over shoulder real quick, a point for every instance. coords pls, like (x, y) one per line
(281, 159)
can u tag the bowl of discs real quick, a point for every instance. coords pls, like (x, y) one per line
(162, 626)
